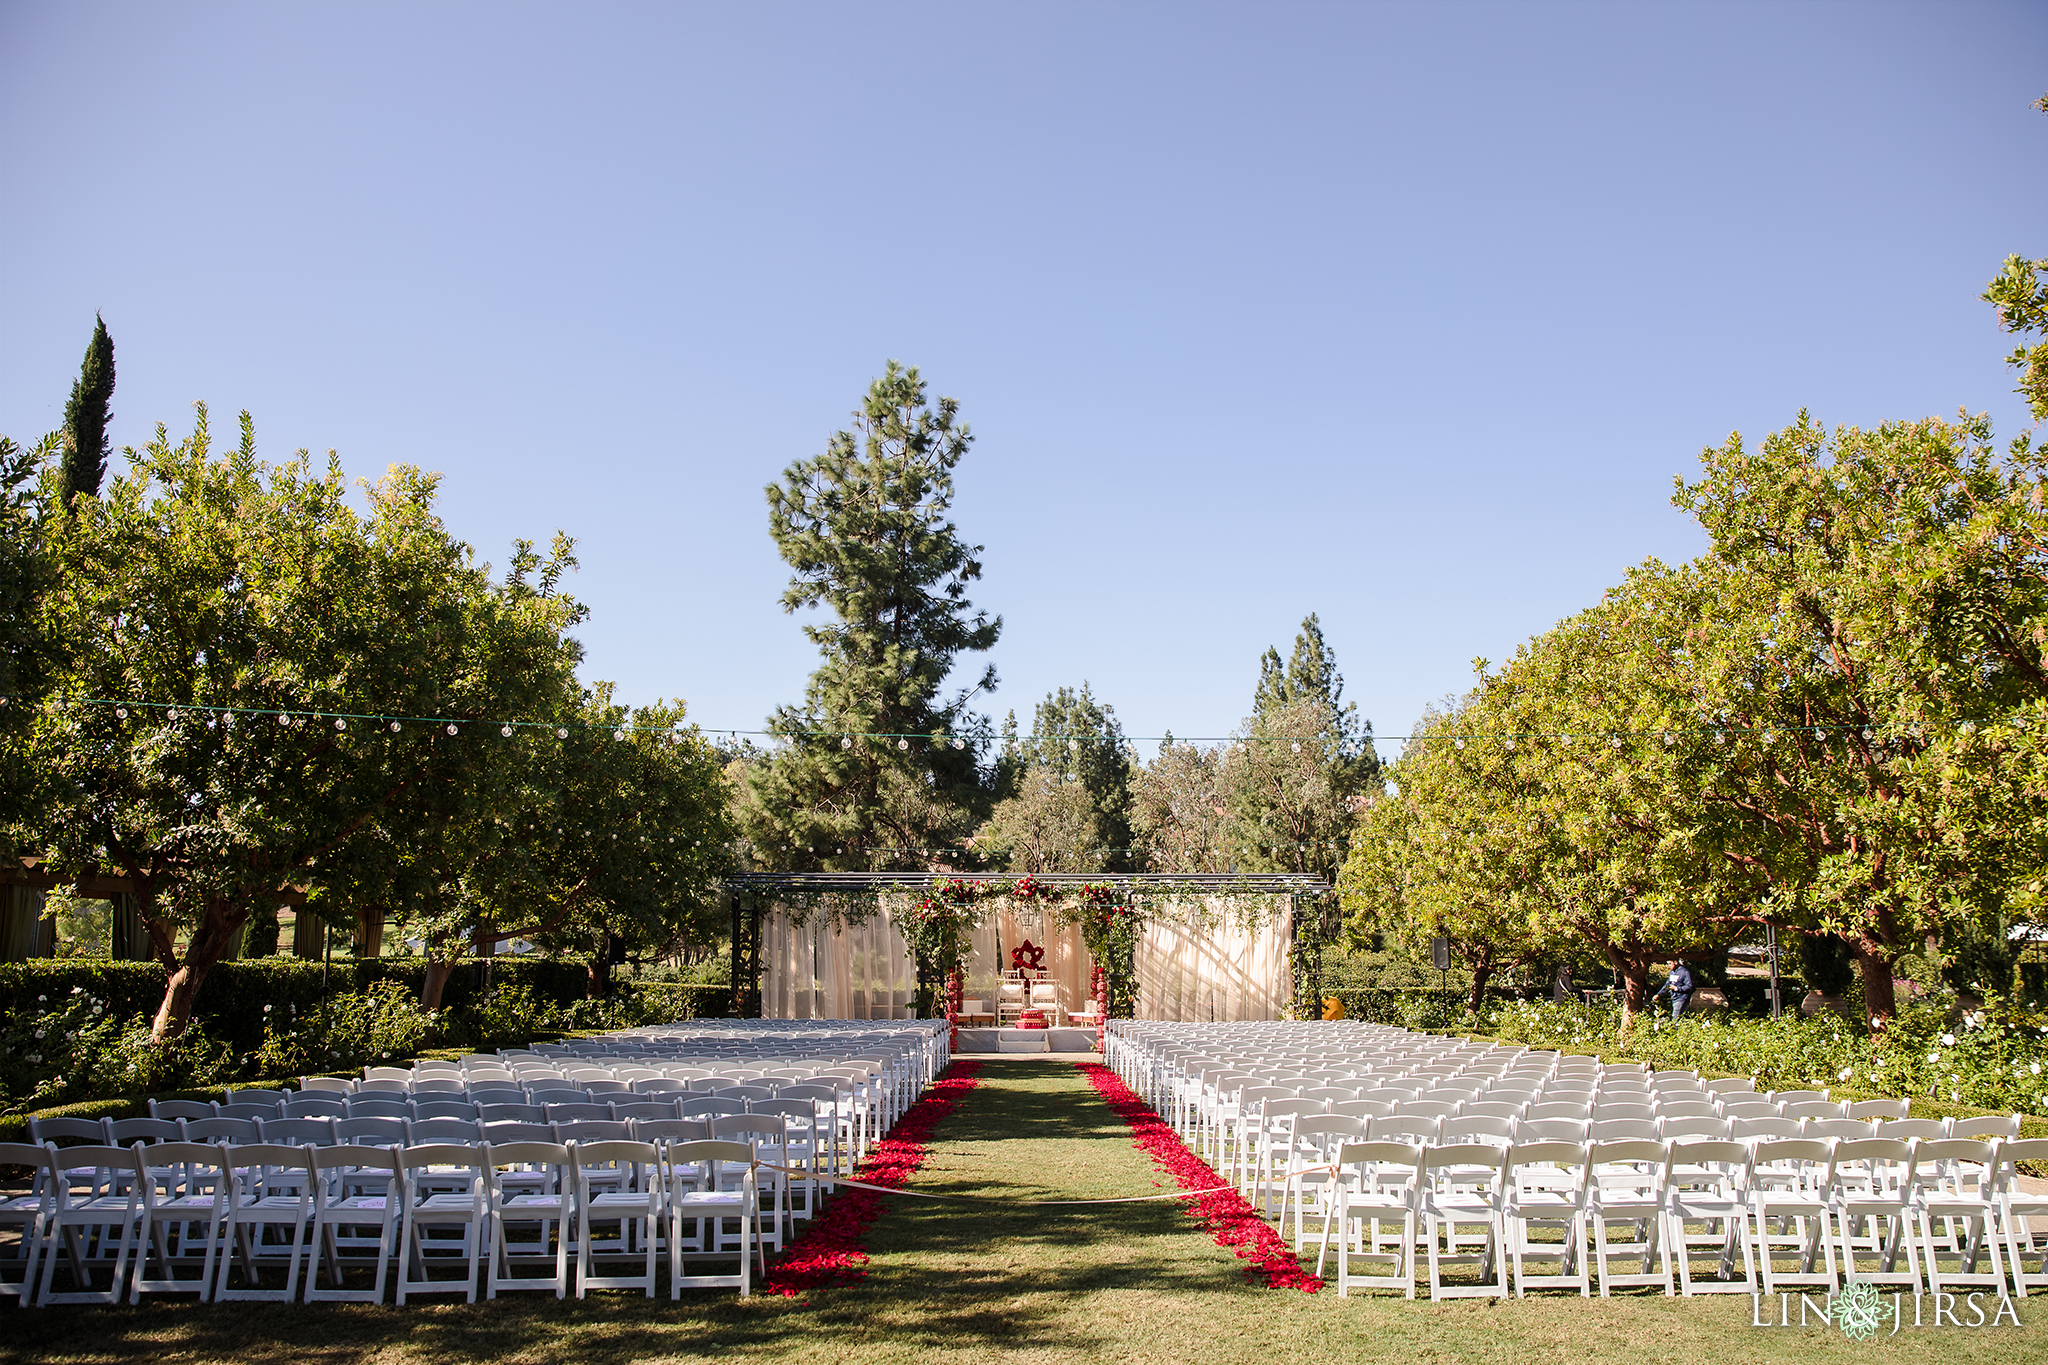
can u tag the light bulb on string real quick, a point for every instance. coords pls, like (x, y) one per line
(561, 733)
(959, 743)
(121, 712)
(1297, 745)
(284, 718)
(505, 730)
(846, 741)
(340, 724)
(903, 744)
(171, 715)
(618, 734)
(394, 727)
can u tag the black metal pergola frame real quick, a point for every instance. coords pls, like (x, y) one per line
(751, 890)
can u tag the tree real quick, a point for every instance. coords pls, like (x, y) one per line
(1874, 658)
(605, 830)
(2021, 295)
(1590, 717)
(27, 648)
(1457, 849)
(1051, 824)
(259, 630)
(1071, 779)
(1291, 790)
(1312, 674)
(86, 415)
(874, 766)
(1177, 811)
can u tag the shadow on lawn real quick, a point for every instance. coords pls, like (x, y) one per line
(952, 1276)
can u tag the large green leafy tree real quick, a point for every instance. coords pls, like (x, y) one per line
(876, 766)
(1177, 812)
(1874, 660)
(1456, 848)
(603, 828)
(86, 415)
(2021, 295)
(201, 582)
(27, 649)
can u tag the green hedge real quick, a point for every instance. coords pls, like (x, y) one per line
(232, 997)
(690, 1001)
(1432, 1007)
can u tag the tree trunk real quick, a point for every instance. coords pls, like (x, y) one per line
(1879, 1002)
(1481, 965)
(369, 933)
(1634, 971)
(218, 929)
(438, 972)
(597, 975)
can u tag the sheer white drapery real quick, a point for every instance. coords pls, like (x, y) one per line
(821, 968)
(1191, 966)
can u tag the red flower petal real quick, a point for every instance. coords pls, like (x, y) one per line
(1233, 1221)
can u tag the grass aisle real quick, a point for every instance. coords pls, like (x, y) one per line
(957, 1284)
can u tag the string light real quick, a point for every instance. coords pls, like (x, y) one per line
(506, 731)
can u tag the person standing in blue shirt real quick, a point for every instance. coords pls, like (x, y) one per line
(1678, 985)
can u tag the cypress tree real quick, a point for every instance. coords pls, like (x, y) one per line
(85, 420)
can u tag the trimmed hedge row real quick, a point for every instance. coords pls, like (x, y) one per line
(1431, 1007)
(231, 999)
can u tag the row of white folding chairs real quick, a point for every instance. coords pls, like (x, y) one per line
(211, 1207)
(1280, 1128)
(1834, 1210)
(800, 1126)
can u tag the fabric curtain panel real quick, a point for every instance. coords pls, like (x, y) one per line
(823, 969)
(1222, 970)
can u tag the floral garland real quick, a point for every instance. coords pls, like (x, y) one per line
(1233, 1221)
(833, 1249)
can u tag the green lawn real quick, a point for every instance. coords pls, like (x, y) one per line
(965, 1284)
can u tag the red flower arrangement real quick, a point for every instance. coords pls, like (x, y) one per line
(1225, 1213)
(833, 1249)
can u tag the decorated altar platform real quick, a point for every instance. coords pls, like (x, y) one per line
(1026, 1040)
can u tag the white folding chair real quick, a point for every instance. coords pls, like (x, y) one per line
(355, 1189)
(270, 1192)
(1873, 1210)
(699, 1201)
(1545, 1185)
(1708, 1184)
(1378, 1183)
(2018, 1211)
(28, 1213)
(1462, 1188)
(531, 1206)
(631, 1196)
(96, 1201)
(1628, 1184)
(1952, 1181)
(443, 1189)
(1791, 1198)
(184, 1205)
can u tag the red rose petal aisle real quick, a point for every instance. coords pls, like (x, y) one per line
(1225, 1213)
(833, 1248)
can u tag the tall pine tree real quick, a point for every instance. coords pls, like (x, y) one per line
(85, 420)
(875, 767)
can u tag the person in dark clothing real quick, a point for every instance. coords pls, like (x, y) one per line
(1678, 985)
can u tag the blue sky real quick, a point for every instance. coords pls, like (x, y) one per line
(1406, 315)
